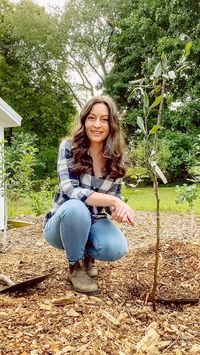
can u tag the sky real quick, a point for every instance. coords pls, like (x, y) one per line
(47, 3)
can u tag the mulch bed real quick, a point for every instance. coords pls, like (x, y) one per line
(53, 319)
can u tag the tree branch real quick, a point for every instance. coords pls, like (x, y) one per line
(79, 69)
(74, 95)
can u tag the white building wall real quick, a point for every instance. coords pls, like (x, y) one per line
(8, 118)
(1, 190)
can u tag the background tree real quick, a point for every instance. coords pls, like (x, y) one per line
(145, 29)
(32, 66)
(49, 60)
(88, 27)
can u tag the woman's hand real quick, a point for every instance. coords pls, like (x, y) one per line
(122, 213)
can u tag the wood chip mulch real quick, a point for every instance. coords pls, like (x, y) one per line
(53, 319)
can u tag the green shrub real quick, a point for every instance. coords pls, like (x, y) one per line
(47, 163)
(187, 193)
(181, 147)
(137, 157)
(40, 200)
(20, 161)
(52, 183)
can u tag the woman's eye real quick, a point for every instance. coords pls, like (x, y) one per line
(104, 120)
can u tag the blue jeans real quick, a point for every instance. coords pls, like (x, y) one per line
(71, 229)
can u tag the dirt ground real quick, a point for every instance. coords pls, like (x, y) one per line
(52, 319)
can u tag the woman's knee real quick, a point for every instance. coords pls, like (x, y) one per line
(75, 210)
(107, 241)
(115, 251)
(51, 233)
(111, 249)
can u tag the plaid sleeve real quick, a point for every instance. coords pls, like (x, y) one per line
(115, 189)
(69, 182)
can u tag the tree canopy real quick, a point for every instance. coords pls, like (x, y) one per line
(145, 30)
(32, 65)
(50, 62)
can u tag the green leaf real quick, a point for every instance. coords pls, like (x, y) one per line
(133, 94)
(157, 89)
(156, 102)
(169, 99)
(155, 129)
(146, 100)
(188, 48)
(164, 61)
(140, 123)
(163, 57)
(183, 67)
(158, 70)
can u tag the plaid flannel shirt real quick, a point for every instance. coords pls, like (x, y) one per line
(73, 186)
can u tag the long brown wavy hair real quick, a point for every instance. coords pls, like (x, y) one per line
(113, 146)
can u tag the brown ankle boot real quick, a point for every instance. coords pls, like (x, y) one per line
(90, 266)
(80, 280)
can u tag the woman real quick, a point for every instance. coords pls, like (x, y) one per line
(90, 169)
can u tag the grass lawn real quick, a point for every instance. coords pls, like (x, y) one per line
(19, 207)
(143, 199)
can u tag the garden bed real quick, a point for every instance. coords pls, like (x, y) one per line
(52, 319)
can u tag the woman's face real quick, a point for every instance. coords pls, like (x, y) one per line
(97, 123)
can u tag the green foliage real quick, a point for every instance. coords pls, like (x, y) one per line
(88, 26)
(181, 148)
(39, 201)
(158, 84)
(138, 150)
(184, 118)
(20, 160)
(195, 169)
(151, 153)
(2, 172)
(47, 163)
(52, 184)
(144, 30)
(147, 31)
(33, 68)
(195, 173)
(187, 193)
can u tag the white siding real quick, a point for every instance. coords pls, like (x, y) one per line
(8, 118)
(1, 191)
